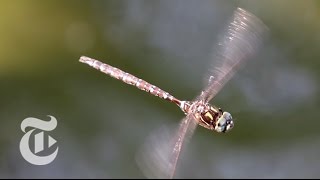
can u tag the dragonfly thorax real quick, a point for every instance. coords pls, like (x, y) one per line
(208, 116)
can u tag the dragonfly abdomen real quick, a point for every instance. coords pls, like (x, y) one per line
(128, 78)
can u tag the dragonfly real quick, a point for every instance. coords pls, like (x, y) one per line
(237, 44)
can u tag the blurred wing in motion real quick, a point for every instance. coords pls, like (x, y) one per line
(243, 36)
(159, 155)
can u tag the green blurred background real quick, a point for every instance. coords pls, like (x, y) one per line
(102, 122)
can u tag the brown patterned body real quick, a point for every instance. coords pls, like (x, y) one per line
(204, 113)
(128, 78)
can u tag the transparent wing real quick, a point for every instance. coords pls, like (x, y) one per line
(186, 129)
(242, 37)
(159, 155)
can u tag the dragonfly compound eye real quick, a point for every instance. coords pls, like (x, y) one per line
(224, 123)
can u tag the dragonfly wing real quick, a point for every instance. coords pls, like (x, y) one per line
(184, 133)
(158, 157)
(242, 37)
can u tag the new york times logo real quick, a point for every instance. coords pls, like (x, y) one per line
(35, 136)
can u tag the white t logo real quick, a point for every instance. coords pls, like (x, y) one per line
(25, 150)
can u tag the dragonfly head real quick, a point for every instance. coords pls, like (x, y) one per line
(224, 122)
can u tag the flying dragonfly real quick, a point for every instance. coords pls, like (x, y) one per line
(236, 45)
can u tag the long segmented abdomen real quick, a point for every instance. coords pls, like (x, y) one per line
(127, 78)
